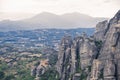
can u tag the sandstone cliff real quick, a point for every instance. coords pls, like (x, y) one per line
(75, 57)
(92, 58)
(110, 51)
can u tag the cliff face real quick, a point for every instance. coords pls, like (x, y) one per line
(110, 51)
(63, 64)
(101, 28)
(87, 58)
(75, 57)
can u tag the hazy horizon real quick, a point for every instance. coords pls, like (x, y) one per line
(22, 16)
(21, 9)
(49, 20)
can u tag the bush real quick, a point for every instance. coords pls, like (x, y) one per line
(2, 74)
(51, 74)
(9, 77)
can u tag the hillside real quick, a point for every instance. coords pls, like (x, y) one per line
(49, 20)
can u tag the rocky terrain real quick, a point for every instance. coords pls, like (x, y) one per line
(92, 58)
(83, 57)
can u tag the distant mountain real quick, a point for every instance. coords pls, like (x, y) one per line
(71, 20)
(8, 25)
(49, 20)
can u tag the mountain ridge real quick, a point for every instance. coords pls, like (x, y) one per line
(50, 20)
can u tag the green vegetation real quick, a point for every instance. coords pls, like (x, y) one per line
(89, 68)
(98, 45)
(16, 65)
(9, 77)
(101, 75)
(83, 76)
(18, 72)
(78, 69)
(2, 74)
(3, 66)
(53, 59)
(51, 74)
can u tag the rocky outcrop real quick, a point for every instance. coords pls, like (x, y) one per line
(86, 58)
(101, 28)
(75, 56)
(40, 69)
(109, 53)
(33, 71)
(64, 58)
(94, 75)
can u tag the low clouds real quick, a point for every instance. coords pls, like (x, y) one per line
(96, 8)
(108, 1)
(113, 2)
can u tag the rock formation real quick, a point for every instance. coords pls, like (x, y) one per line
(92, 58)
(109, 54)
(40, 69)
(75, 57)
(101, 28)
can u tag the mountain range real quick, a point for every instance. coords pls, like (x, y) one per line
(50, 20)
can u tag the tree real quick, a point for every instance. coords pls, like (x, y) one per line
(9, 77)
(2, 74)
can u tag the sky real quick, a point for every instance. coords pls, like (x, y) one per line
(17, 9)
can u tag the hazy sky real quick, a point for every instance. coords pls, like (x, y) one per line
(25, 8)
